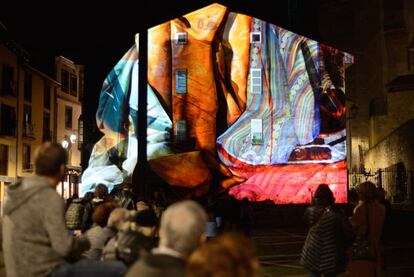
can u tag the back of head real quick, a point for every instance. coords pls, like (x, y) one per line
(367, 191)
(101, 213)
(182, 226)
(101, 191)
(230, 254)
(324, 196)
(49, 158)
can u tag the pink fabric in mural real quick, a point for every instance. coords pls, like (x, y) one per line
(290, 184)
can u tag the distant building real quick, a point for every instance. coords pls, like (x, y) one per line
(380, 33)
(69, 107)
(27, 108)
(35, 108)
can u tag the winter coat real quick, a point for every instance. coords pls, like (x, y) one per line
(35, 238)
(324, 250)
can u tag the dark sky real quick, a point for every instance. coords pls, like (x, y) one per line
(97, 36)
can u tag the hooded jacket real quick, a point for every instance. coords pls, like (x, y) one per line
(35, 238)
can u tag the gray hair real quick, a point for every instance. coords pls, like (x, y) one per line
(182, 226)
(117, 218)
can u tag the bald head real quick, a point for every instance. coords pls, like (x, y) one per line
(182, 226)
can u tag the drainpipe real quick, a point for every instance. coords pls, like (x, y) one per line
(19, 65)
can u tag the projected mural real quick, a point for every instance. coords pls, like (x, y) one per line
(235, 104)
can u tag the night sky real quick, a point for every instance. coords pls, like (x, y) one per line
(97, 36)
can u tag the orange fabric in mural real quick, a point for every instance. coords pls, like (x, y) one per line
(186, 170)
(159, 63)
(233, 63)
(198, 107)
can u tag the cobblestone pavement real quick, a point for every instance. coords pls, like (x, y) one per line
(279, 250)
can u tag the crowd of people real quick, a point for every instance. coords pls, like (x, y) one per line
(112, 234)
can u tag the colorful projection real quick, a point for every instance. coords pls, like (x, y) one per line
(235, 104)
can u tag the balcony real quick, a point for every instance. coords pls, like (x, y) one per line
(27, 167)
(28, 130)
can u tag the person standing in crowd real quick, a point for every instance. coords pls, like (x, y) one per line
(181, 231)
(100, 196)
(324, 251)
(368, 217)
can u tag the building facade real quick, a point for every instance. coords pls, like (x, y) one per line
(380, 87)
(69, 107)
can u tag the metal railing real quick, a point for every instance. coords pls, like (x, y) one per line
(397, 181)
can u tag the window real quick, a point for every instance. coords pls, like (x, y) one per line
(7, 120)
(68, 117)
(181, 81)
(181, 38)
(27, 166)
(27, 121)
(8, 84)
(393, 15)
(46, 96)
(47, 135)
(180, 131)
(28, 87)
(4, 159)
(255, 81)
(73, 85)
(255, 37)
(64, 80)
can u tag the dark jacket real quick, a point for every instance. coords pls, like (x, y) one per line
(157, 265)
(35, 238)
(327, 239)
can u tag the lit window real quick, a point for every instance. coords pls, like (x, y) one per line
(255, 81)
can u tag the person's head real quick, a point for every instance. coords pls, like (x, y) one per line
(117, 218)
(144, 222)
(324, 196)
(50, 161)
(126, 186)
(230, 254)
(101, 213)
(367, 191)
(141, 205)
(101, 191)
(182, 227)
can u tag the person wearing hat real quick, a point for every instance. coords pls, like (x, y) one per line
(136, 235)
(368, 217)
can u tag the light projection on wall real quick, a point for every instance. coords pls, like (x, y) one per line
(234, 104)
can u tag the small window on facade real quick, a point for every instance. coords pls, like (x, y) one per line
(256, 131)
(64, 80)
(181, 81)
(255, 37)
(181, 38)
(26, 157)
(4, 159)
(73, 85)
(28, 130)
(47, 135)
(180, 131)
(7, 120)
(28, 87)
(68, 117)
(255, 81)
(46, 96)
(8, 83)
